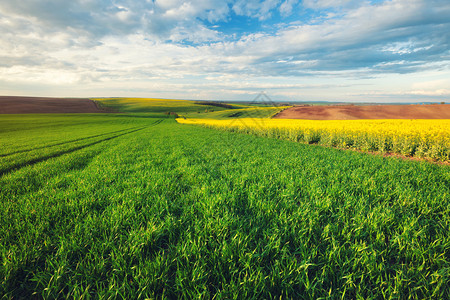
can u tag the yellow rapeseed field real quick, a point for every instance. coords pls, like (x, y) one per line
(420, 138)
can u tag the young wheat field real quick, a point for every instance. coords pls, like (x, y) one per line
(136, 205)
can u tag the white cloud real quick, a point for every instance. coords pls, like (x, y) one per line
(255, 8)
(439, 92)
(109, 45)
(432, 84)
(319, 4)
(287, 6)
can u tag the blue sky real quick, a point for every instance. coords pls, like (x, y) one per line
(310, 50)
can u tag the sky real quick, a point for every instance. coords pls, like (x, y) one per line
(293, 50)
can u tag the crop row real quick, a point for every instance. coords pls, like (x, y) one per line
(32, 145)
(419, 138)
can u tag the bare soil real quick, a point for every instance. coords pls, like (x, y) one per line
(32, 105)
(355, 112)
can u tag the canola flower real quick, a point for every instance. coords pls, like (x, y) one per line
(419, 138)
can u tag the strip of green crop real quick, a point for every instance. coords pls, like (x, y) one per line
(47, 141)
(184, 211)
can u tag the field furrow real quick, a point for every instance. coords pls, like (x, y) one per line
(19, 161)
(64, 143)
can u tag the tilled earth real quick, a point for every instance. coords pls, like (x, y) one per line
(27, 105)
(354, 112)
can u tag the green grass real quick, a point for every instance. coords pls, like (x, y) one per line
(116, 206)
(31, 138)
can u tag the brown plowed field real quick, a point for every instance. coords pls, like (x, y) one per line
(37, 105)
(355, 112)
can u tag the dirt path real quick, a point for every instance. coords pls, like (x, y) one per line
(29, 105)
(354, 112)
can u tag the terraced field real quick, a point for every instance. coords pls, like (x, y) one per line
(136, 205)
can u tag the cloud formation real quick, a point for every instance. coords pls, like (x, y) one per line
(213, 47)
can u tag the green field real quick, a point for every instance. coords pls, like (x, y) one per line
(186, 108)
(136, 205)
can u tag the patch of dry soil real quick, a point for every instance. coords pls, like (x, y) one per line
(355, 112)
(32, 105)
